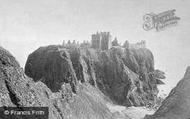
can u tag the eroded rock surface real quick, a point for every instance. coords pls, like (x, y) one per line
(177, 104)
(18, 90)
(126, 76)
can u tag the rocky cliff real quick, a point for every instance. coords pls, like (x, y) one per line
(177, 104)
(79, 83)
(126, 76)
(18, 90)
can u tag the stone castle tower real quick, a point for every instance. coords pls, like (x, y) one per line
(101, 40)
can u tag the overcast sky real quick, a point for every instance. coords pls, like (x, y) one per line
(26, 25)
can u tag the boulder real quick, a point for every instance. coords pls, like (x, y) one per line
(53, 64)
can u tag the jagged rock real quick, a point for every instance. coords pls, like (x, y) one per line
(177, 104)
(159, 74)
(7, 59)
(125, 75)
(82, 61)
(18, 90)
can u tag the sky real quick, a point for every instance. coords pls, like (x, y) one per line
(25, 25)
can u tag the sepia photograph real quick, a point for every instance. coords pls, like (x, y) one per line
(94, 59)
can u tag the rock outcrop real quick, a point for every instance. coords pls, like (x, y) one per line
(126, 76)
(52, 64)
(177, 104)
(18, 90)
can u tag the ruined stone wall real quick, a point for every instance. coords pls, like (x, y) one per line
(101, 40)
(138, 45)
(96, 41)
(105, 41)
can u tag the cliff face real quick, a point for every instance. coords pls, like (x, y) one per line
(18, 90)
(126, 76)
(177, 104)
(78, 83)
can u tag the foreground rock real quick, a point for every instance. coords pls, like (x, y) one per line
(52, 64)
(18, 90)
(126, 76)
(177, 104)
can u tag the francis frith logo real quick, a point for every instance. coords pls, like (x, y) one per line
(160, 21)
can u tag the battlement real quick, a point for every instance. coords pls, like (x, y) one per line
(141, 44)
(101, 40)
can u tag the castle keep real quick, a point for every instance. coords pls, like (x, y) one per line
(101, 40)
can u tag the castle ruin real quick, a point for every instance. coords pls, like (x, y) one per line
(101, 41)
(141, 44)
